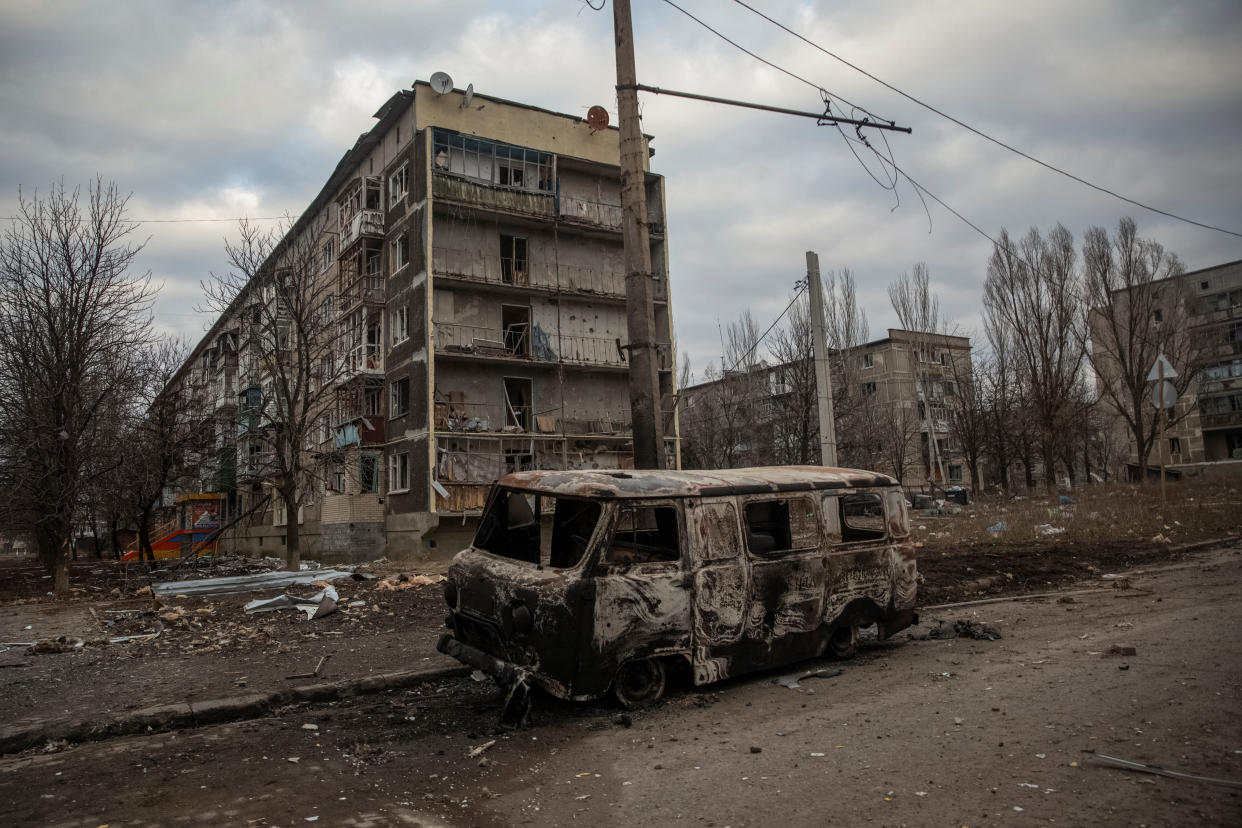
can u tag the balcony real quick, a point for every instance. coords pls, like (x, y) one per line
(1221, 419)
(477, 267)
(515, 343)
(368, 290)
(363, 223)
(451, 187)
(361, 362)
(360, 431)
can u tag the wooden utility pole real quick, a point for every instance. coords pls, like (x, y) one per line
(645, 399)
(823, 376)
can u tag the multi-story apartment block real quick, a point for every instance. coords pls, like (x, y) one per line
(471, 256)
(893, 397)
(1206, 432)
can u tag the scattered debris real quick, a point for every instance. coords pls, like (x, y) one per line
(1126, 764)
(791, 681)
(313, 673)
(246, 583)
(998, 527)
(310, 726)
(1043, 530)
(60, 644)
(316, 606)
(478, 751)
(756, 749)
(404, 581)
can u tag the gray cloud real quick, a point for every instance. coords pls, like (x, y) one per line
(219, 110)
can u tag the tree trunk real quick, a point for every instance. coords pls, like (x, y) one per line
(293, 552)
(60, 568)
(145, 552)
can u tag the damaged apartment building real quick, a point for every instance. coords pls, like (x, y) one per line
(471, 255)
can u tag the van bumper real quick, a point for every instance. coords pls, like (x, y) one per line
(503, 671)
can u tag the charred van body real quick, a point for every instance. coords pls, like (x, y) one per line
(586, 581)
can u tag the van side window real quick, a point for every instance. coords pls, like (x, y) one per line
(862, 517)
(779, 525)
(644, 534)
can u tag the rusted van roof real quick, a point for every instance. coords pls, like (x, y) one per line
(630, 483)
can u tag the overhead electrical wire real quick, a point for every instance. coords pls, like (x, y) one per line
(983, 134)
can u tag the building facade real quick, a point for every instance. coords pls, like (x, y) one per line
(470, 255)
(893, 401)
(1205, 435)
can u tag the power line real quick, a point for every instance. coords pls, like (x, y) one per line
(767, 62)
(176, 221)
(801, 289)
(981, 133)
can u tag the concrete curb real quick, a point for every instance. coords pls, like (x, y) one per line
(21, 736)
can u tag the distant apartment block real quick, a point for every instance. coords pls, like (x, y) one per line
(1207, 434)
(894, 401)
(471, 255)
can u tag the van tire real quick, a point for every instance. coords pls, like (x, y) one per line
(843, 642)
(639, 683)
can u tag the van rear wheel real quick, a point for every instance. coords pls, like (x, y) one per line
(843, 643)
(639, 683)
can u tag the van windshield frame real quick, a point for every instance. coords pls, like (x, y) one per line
(538, 529)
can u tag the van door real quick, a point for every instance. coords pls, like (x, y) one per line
(788, 570)
(721, 586)
(642, 603)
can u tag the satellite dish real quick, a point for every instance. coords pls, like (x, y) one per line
(441, 83)
(597, 118)
(469, 96)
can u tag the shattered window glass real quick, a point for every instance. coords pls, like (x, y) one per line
(644, 534)
(537, 529)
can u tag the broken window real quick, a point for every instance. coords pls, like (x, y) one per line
(399, 397)
(644, 534)
(397, 185)
(515, 323)
(400, 325)
(371, 402)
(518, 396)
(368, 474)
(399, 252)
(494, 163)
(513, 263)
(775, 526)
(868, 361)
(868, 388)
(767, 524)
(955, 473)
(1175, 445)
(862, 517)
(398, 472)
(513, 526)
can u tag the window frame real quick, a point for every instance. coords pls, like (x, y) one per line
(402, 173)
(400, 324)
(399, 397)
(399, 251)
(608, 566)
(399, 472)
(797, 544)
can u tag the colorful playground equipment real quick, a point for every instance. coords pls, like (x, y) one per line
(192, 532)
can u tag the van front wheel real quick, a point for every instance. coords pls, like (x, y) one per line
(844, 641)
(639, 683)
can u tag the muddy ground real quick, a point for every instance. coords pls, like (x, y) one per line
(913, 732)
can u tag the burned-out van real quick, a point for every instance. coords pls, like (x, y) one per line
(586, 581)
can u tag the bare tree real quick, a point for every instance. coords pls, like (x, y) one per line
(163, 429)
(73, 319)
(291, 357)
(968, 413)
(1032, 290)
(918, 311)
(1136, 309)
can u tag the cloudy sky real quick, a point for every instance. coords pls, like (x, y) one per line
(214, 110)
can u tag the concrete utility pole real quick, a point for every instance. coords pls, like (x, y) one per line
(645, 400)
(823, 376)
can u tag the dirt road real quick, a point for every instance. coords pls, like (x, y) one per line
(932, 732)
